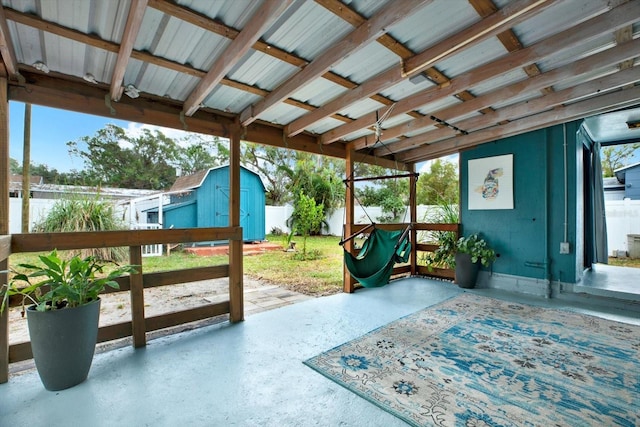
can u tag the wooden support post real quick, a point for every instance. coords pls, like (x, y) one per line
(26, 169)
(413, 209)
(4, 223)
(348, 284)
(236, 272)
(138, 327)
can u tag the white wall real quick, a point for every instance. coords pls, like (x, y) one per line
(623, 217)
(276, 216)
(38, 209)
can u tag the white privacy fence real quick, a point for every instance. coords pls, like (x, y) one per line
(623, 218)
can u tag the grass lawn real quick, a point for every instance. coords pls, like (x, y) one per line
(322, 276)
(624, 262)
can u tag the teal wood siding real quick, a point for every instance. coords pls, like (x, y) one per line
(528, 237)
(180, 216)
(211, 203)
(632, 183)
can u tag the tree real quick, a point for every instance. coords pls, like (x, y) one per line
(391, 194)
(309, 218)
(439, 185)
(197, 153)
(271, 164)
(616, 156)
(14, 166)
(116, 159)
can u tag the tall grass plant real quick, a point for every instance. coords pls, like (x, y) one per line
(82, 213)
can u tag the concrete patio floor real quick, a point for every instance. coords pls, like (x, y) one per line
(245, 374)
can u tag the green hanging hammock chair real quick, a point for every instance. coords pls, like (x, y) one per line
(372, 267)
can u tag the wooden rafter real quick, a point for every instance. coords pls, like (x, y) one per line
(361, 36)
(97, 42)
(477, 33)
(492, 25)
(597, 105)
(619, 17)
(6, 47)
(523, 109)
(131, 29)
(422, 130)
(589, 64)
(263, 18)
(508, 38)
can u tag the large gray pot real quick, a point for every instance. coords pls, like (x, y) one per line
(63, 342)
(466, 271)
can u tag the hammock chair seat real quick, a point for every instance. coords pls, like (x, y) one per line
(372, 267)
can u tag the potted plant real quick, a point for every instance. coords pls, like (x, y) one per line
(63, 319)
(465, 255)
(471, 252)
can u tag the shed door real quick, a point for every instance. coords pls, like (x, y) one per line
(245, 223)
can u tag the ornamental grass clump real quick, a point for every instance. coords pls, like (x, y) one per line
(84, 214)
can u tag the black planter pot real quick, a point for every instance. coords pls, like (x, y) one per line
(466, 271)
(63, 342)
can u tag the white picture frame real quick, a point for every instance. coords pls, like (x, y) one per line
(491, 183)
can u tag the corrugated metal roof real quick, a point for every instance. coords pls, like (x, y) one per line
(176, 40)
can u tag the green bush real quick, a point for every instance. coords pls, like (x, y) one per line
(84, 214)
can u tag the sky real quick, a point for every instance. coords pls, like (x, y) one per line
(51, 129)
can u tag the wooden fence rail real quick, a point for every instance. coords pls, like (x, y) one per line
(421, 248)
(134, 283)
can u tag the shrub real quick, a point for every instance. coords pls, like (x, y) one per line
(84, 214)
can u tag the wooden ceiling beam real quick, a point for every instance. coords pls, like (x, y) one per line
(262, 19)
(356, 39)
(596, 105)
(131, 29)
(618, 17)
(467, 38)
(219, 28)
(94, 41)
(607, 58)
(6, 47)
(53, 91)
(507, 17)
(514, 112)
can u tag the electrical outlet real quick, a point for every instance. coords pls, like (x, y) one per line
(564, 248)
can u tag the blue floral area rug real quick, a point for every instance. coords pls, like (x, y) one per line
(475, 361)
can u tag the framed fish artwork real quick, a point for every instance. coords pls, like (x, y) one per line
(491, 183)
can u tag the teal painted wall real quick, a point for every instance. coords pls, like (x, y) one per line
(528, 237)
(181, 216)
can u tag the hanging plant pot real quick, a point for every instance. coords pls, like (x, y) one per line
(466, 271)
(63, 342)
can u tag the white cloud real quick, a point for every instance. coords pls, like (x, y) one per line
(136, 129)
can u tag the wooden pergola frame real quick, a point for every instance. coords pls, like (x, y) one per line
(475, 119)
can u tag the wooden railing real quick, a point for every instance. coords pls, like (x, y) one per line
(418, 248)
(135, 283)
(423, 248)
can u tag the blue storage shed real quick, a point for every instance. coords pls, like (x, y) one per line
(629, 176)
(202, 200)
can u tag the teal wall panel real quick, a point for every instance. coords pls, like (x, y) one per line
(183, 216)
(527, 238)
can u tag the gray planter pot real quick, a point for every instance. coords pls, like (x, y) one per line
(63, 343)
(466, 271)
